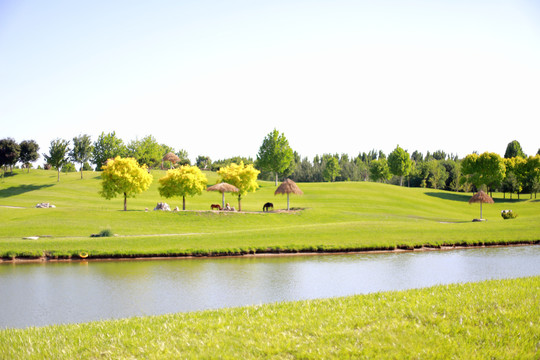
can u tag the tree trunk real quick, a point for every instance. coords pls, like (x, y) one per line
(125, 202)
(276, 178)
(239, 202)
(58, 180)
(184, 202)
(401, 180)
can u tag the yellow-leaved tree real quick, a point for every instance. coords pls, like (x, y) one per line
(124, 176)
(244, 177)
(186, 180)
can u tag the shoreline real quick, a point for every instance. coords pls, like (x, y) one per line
(272, 253)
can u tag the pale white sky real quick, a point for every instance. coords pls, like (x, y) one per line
(215, 77)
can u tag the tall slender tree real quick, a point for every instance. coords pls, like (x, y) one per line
(82, 150)
(58, 154)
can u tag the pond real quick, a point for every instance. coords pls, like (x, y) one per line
(37, 294)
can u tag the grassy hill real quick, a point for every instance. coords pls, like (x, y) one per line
(334, 216)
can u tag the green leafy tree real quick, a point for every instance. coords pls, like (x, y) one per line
(331, 169)
(379, 171)
(58, 155)
(515, 175)
(437, 174)
(532, 174)
(82, 150)
(124, 176)
(275, 154)
(147, 151)
(203, 162)
(184, 181)
(9, 153)
(244, 177)
(514, 149)
(399, 163)
(29, 152)
(486, 169)
(184, 157)
(107, 146)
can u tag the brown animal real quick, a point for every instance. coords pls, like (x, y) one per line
(267, 206)
(215, 207)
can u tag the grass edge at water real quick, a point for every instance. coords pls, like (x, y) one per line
(488, 319)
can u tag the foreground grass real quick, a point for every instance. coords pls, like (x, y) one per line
(491, 319)
(337, 216)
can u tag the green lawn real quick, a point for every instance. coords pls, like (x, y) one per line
(335, 216)
(497, 319)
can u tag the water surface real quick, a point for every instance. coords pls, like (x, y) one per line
(38, 294)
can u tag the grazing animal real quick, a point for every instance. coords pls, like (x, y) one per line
(267, 206)
(215, 207)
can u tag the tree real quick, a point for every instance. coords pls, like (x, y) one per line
(436, 174)
(184, 157)
(9, 153)
(439, 155)
(486, 169)
(184, 181)
(532, 174)
(106, 147)
(417, 156)
(29, 152)
(147, 151)
(58, 155)
(399, 163)
(82, 150)
(515, 175)
(378, 170)
(203, 162)
(244, 177)
(514, 149)
(124, 176)
(331, 169)
(275, 154)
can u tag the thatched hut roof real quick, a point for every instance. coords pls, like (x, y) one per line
(481, 197)
(223, 187)
(288, 187)
(171, 157)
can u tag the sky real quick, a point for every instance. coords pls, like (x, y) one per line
(216, 77)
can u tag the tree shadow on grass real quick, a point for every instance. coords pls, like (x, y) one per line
(21, 189)
(465, 197)
(450, 196)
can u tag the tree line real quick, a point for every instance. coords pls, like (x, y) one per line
(513, 173)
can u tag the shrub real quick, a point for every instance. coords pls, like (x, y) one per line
(103, 233)
(508, 214)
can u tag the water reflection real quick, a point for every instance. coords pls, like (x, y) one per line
(52, 293)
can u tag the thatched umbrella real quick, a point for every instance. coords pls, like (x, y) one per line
(288, 187)
(223, 188)
(173, 158)
(481, 197)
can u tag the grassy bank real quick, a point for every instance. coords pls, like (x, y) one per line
(334, 216)
(493, 319)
